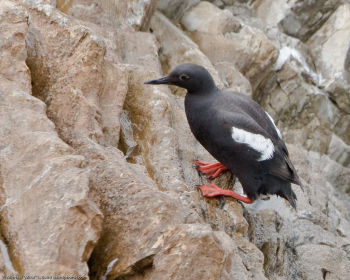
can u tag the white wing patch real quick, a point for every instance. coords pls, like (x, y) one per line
(278, 131)
(256, 141)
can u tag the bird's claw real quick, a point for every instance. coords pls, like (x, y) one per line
(210, 170)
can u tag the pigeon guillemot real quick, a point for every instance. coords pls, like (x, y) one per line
(236, 131)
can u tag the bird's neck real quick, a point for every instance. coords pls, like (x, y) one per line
(197, 101)
(203, 91)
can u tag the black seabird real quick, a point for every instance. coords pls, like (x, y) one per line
(236, 131)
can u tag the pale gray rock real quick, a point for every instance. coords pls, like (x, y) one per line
(292, 89)
(339, 89)
(175, 9)
(185, 50)
(329, 43)
(331, 264)
(205, 17)
(304, 18)
(330, 52)
(271, 12)
(337, 175)
(289, 101)
(286, 237)
(228, 42)
(339, 151)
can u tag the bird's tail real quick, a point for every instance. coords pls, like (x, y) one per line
(281, 187)
(289, 195)
(284, 189)
(295, 179)
(298, 182)
(292, 200)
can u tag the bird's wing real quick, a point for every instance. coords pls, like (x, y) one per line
(282, 167)
(243, 105)
(272, 152)
(244, 130)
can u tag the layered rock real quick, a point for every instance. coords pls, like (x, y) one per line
(111, 159)
(128, 15)
(77, 109)
(330, 51)
(288, 239)
(47, 219)
(289, 102)
(300, 19)
(184, 50)
(305, 17)
(175, 9)
(230, 44)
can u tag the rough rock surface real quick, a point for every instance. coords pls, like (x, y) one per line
(175, 8)
(130, 15)
(290, 239)
(47, 219)
(96, 168)
(299, 19)
(332, 65)
(230, 44)
(305, 17)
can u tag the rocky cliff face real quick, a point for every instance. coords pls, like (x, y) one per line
(96, 169)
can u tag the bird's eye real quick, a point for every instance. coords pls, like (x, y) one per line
(183, 77)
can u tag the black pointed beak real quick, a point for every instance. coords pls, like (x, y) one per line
(160, 81)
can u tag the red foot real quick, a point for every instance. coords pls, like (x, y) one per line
(211, 190)
(210, 170)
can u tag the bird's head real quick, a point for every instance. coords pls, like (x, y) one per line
(192, 77)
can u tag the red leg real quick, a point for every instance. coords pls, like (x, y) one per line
(210, 170)
(211, 190)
